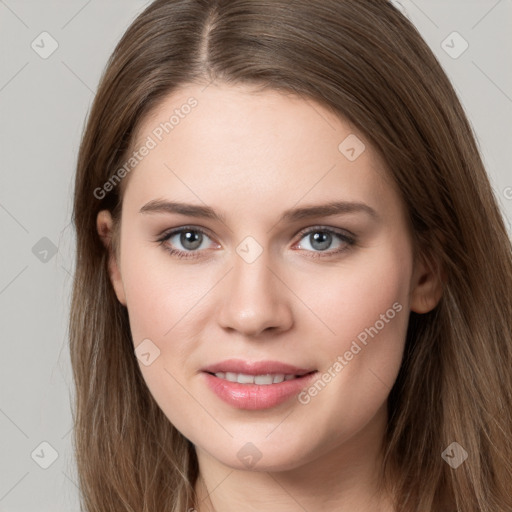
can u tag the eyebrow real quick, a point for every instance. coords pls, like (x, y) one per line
(291, 215)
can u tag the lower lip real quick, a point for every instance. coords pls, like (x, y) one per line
(254, 396)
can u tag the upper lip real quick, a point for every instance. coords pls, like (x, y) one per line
(256, 367)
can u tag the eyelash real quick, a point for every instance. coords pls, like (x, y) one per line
(350, 240)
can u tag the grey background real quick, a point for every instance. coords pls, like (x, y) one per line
(43, 105)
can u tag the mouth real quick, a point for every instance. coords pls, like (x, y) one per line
(256, 385)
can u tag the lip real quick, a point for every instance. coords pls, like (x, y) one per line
(256, 367)
(254, 396)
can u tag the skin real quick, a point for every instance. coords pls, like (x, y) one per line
(250, 156)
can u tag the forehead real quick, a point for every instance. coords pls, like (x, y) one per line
(212, 140)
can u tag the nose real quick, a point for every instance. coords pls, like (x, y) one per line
(255, 300)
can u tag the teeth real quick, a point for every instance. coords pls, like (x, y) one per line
(263, 380)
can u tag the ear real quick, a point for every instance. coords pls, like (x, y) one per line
(104, 225)
(426, 286)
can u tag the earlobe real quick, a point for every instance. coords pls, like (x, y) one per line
(427, 287)
(104, 226)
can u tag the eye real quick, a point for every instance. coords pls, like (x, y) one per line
(320, 240)
(185, 242)
(190, 242)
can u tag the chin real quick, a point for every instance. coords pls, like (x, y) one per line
(254, 456)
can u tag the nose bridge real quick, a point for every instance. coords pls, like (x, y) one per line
(254, 300)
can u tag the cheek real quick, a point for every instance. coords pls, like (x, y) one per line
(159, 294)
(354, 295)
(160, 301)
(366, 310)
(364, 315)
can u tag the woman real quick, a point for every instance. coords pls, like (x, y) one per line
(293, 281)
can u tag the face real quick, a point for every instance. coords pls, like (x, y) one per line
(262, 242)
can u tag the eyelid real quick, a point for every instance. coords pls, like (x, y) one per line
(165, 235)
(338, 231)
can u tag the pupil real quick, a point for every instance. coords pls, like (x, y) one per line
(321, 239)
(191, 239)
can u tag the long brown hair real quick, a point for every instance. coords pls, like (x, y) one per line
(363, 60)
